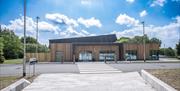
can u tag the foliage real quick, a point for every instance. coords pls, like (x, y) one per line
(32, 44)
(12, 44)
(178, 48)
(29, 40)
(1, 50)
(123, 40)
(167, 51)
(155, 40)
(11, 47)
(31, 48)
(139, 39)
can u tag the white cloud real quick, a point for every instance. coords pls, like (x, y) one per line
(86, 2)
(158, 2)
(71, 32)
(124, 19)
(167, 33)
(178, 18)
(85, 32)
(61, 19)
(143, 13)
(17, 26)
(44, 26)
(90, 22)
(130, 1)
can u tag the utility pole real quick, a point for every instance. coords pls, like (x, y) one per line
(179, 32)
(164, 50)
(144, 42)
(37, 18)
(0, 27)
(24, 59)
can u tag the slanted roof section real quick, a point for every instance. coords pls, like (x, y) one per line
(95, 39)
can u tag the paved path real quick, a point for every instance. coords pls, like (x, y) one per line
(16, 69)
(96, 67)
(131, 81)
(129, 67)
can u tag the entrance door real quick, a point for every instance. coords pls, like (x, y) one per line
(59, 57)
(106, 55)
(85, 56)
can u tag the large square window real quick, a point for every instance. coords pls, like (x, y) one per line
(107, 55)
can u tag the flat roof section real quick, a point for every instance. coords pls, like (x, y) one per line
(100, 38)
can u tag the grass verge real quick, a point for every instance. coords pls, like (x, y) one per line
(13, 61)
(6, 81)
(169, 76)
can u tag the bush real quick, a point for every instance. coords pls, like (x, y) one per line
(2, 59)
(168, 52)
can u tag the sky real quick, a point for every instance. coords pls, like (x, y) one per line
(80, 18)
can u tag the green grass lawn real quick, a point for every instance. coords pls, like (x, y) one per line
(13, 61)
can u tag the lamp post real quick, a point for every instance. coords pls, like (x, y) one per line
(144, 42)
(24, 58)
(37, 18)
(0, 27)
(164, 50)
(179, 31)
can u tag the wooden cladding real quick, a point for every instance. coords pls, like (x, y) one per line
(65, 48)
(42, 57)
(68, 49)
(96, 49)
(140, 50)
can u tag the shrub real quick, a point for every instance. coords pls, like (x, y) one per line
(2, 58)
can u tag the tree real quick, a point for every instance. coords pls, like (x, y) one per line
(29, 40)
(12, 44)
(155, 40)
(139, 40)
(1, 50)
(167, 51)
(31, 45)
(178, 48)
(123, 40)
(31, 48)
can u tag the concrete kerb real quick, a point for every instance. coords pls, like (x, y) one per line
(134, 62)
(17, 86)
(155, 82)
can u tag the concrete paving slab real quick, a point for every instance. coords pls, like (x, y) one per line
(90, 82)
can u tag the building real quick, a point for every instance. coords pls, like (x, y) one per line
(98, 48)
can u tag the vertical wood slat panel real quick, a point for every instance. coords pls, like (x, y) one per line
(42, 57)
(140, 50)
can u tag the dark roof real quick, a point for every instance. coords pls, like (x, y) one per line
(99, 39)
(96, 43)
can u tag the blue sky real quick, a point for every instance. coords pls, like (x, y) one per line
(74, 18)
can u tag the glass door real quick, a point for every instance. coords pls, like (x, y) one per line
(85, 56)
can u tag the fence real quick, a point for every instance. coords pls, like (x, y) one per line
(42, 57)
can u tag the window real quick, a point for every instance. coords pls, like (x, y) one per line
(131, 55)
(85, 56)
(154, 54)
(110, 56)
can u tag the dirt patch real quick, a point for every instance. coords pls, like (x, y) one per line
(6, 81)
(169, 76)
